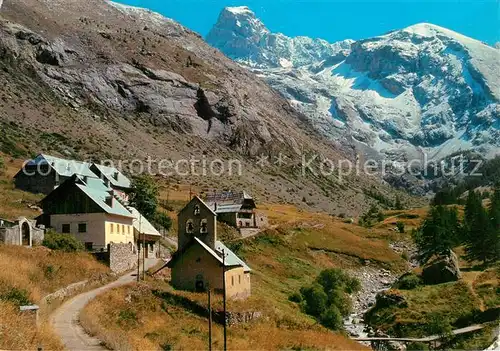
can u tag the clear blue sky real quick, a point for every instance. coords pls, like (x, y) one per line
(335, 20)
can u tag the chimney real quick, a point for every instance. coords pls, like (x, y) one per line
(115, 175)
(85, 179)
(215, 206)
(106, 182)
(109, 200)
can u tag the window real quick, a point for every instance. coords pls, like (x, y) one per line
(82, 227)
(66, 228)
(123, 229)
(232, 280)
(196, 210)
(112, 228)
(239, 278)
(189, 227)
(204, 226)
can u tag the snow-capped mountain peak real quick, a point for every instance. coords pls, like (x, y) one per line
(243, 37)
(423, 88)
(240, 10)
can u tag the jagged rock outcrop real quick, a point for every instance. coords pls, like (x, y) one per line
(242, 36)
(419, 90)
(103, 80)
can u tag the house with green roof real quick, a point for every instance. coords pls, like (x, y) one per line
(45, 173)
(89, 209)
(203, 262)
(114, 178)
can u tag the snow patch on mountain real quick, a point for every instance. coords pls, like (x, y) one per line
(420, 89)
(243, 37)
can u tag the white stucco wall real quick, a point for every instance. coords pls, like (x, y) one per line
(95, 226)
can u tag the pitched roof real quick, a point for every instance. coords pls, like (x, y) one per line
(141, 224)
(229, 202)
(99, 197)
(197, 198)
(63, 167)
(109, 173)
(231, 259)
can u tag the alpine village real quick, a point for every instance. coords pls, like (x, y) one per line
(244, 189)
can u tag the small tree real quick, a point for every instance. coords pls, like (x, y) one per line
(438, 234)
(163, 220)
(481, 228)
(144, 196)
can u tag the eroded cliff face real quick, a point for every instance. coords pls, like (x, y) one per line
(102, 80)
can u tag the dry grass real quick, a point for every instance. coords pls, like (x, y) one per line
(18, 331)
(14, 203)
(143, 321)
(41, 271)
(283, 259)
(38, 271)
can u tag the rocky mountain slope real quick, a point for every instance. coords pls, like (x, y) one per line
(97, 79)
(422, 89)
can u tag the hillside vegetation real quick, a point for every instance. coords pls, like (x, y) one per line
(26, 276)
(14, 203)
(283, 259)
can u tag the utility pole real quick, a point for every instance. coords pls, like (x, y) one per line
(138, 250)
(143, 253)
(209, 321)
(224, 296)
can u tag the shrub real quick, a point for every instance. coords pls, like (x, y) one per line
(63, 242)
(18, 296)
(314, 300)
(335, 278)
(401, 227)
(409, 281)
(332, 318)
(328, 298)
(163, 220)
(341, 300)
(2, 165)
(295, 297)
(438, 325)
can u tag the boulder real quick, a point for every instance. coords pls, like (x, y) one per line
(443, 269)
(391, 298)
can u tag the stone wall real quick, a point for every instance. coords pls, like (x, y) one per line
(122, 257)
(236, 318)
(37, 236)
(9, 236)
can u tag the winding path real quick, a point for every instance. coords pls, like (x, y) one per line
(65, 320)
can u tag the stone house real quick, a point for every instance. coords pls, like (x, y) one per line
(202, 261)
(236, 209)
(88, 209)
(45, 173)
(23, 232)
